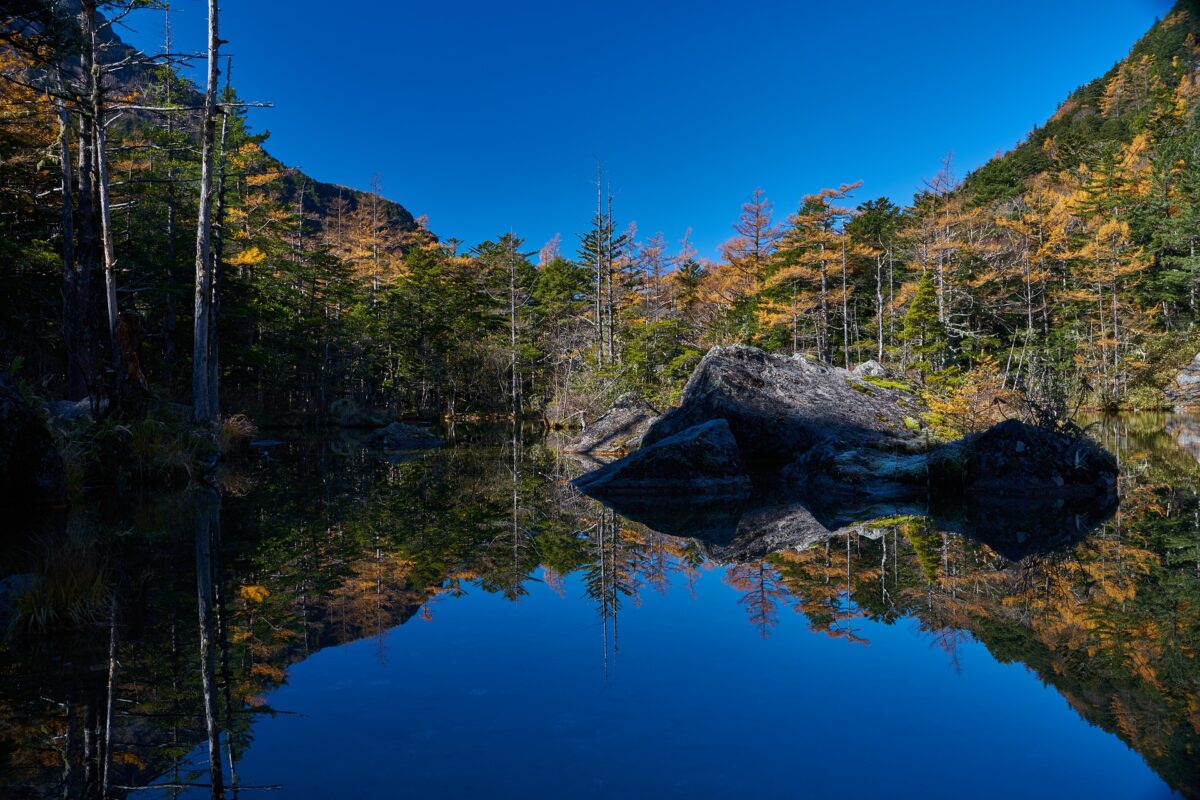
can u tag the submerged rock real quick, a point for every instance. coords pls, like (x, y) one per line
(779, 407)
(1014, 459)
(31, 468)
(1184, 390)
(400, 436)
(619, 430)
(702, 460)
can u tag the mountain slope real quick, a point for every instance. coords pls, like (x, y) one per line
(1106, 111)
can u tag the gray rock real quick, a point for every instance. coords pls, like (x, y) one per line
(871, 369)
(1013, 459)
(1184, 390)
(823, 438)
(702, 460)
(779, 407)
(619, 430)
(71, 410)
(400, 436)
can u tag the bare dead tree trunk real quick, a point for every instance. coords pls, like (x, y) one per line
(100, 166)
(208, 510)
(169, 321)
(823, 336)
(512, 329)
(879, 301)
(108, 702)
(218, 256)
(76, 386)
(845, 310)
(599, 271)
(203, 412)
(608, 261)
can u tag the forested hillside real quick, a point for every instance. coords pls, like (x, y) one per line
(1063, 270)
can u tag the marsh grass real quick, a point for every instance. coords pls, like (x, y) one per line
(68, 591)
(235, 431)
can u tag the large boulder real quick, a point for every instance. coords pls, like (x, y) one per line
(1014, 459)
(31, 468)
(619, 430)
(1184, 390)
(778, 407)
(827, 450)
(702, 460)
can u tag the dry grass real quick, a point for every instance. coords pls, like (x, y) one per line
(235, 430)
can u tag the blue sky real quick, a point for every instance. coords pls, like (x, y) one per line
(489, 117)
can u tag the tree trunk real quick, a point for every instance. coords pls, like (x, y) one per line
(208, 511)
(169, 320)
(845, 311)
(100, 167)
(203, 412)
(879, 301)
(217, 271)
(76, 386)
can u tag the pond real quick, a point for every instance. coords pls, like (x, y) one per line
(463, 623)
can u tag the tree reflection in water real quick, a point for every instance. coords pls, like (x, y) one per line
(327, 543)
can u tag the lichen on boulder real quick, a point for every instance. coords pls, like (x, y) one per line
(617, 431)
(779, 407)
(1184, 390)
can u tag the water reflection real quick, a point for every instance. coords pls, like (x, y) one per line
(156, 667)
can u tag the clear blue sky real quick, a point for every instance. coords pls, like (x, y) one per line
(489, 116)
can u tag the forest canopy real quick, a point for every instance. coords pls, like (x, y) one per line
(1064, 268)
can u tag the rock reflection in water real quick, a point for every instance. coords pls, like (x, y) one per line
(322, 546)
(736, 531)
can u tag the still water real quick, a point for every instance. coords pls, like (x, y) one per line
(462, 623)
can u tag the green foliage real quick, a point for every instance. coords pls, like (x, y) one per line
(657, 360)
(923, 333)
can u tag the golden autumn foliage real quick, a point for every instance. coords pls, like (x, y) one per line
(255, 594)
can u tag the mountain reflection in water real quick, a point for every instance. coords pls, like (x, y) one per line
(189, 627)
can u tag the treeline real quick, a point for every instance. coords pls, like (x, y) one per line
(1064, 269)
